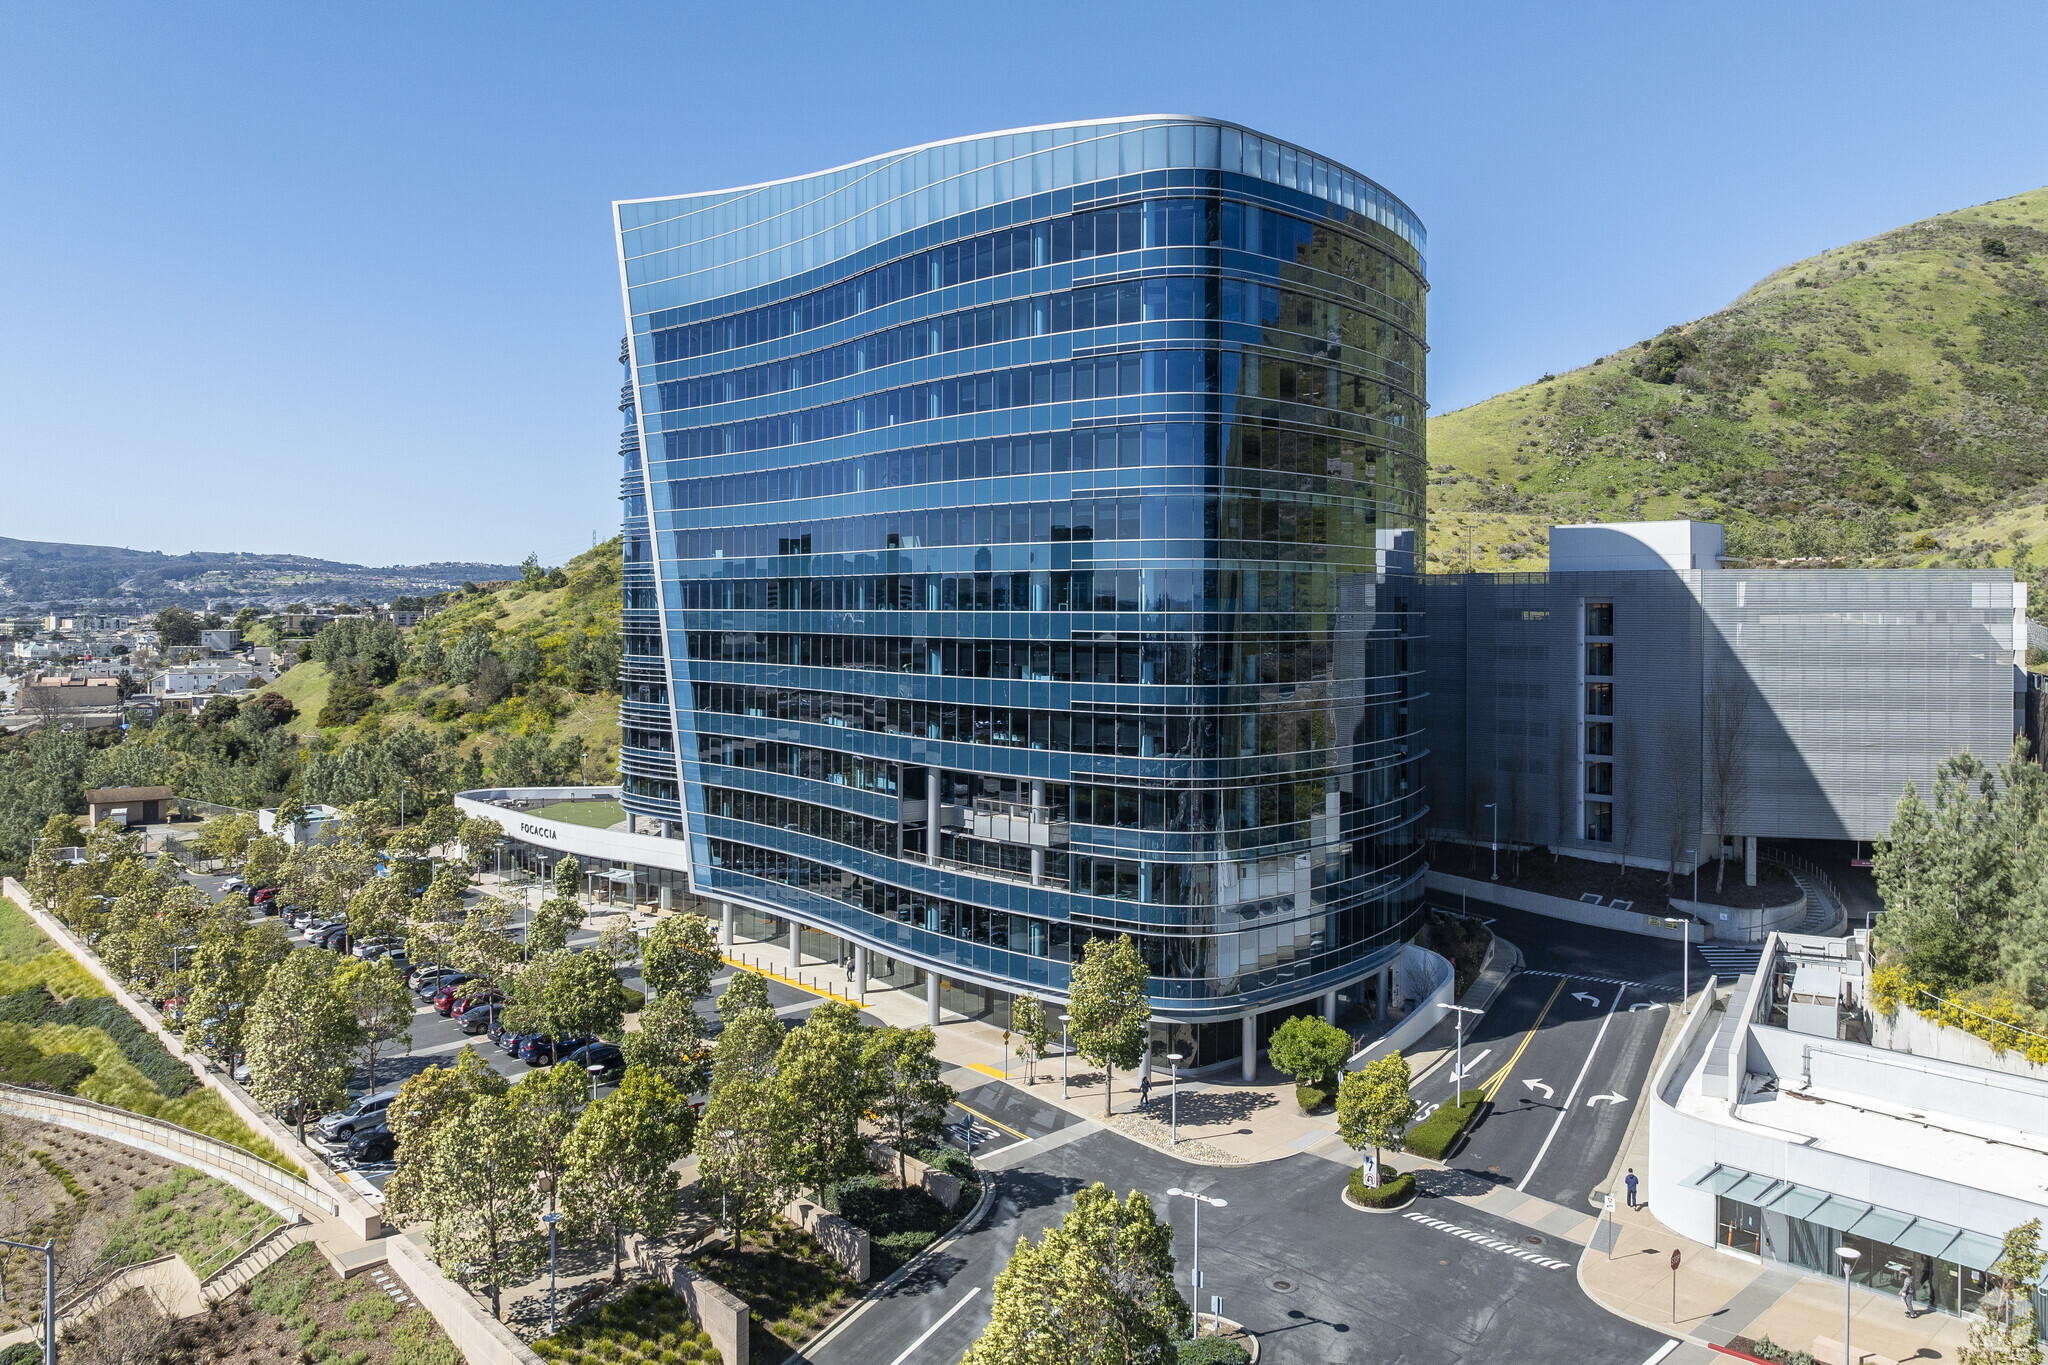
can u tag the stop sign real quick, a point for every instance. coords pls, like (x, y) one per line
(1674, 1260)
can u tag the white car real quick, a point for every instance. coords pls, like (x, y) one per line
(234, 884)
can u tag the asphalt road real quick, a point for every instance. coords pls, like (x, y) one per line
(1316, 1280)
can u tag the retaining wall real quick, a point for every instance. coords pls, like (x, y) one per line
(354, 1212)
(1428, 979)
(934, 1182)
(481, 1338)
(1557, 907)
(843, 1242)
(718, 1311)
(1733, 924)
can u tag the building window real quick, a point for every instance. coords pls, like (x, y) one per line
(1599, 699)
(1599, 737)
(1599, 620)
(1739, 1226)
(1599, 822)
(1600, 779)
(1599, 661)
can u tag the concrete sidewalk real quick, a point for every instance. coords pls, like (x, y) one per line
(1223, 1120)
(1722, 1295)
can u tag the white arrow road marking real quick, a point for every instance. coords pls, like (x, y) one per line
(1616, 1098)
(1566, 1109)
(1644, 1005)
(1592, 1000)
(1460, 1073)
(936, 1326)
(1548, 1093)
(1666, 1349)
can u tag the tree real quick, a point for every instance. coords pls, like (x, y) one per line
(584, 996)
(824, 1093)
(480, 835)
(620, 1173)
(1098, 1287)
(380, 1005)
(906, 1096)
(671, 1042)
(1111, 1011)
(742, 1155)
(299, 1030)
(744, 991)
(228, 973)
(681, 954)
(483, 946)
(551, 1100)
(1309, 1050)
(176, 626)
(426, 1100)
(478, 1187)
(378, 909)
(2003, 1331)
(1374, 1108)
(1032, 1024)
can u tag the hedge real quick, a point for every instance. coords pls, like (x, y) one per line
(1211, 1351)
(1438, 1133)
(1312, 1097)
(1397, 1190)
(172, 1078)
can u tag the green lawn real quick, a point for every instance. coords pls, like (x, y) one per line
(594, 814)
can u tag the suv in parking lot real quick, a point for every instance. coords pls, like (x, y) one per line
(364, 1113)
(538, 1049)
(606, 1057)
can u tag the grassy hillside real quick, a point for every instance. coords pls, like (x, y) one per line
(551, 670)
(1883, 403)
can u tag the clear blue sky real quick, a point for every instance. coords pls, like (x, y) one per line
(339, 280)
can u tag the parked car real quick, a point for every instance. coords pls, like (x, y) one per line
(377, 1143)
(334, 940)
(234, 884)
(263, 895)
(450, 992)
(477, 1018)
(541, 1050)
(416, 975)
(398, 961)
(512, 1041)
(436, 982)
(363, 1114)
(606, 1056)
(374, 948)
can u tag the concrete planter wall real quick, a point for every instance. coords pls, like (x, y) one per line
(1904, 1030)
(1732, 924)
(354, 1212)
(1633, 921)
(717, 1310)
(934, 1182)
(843, 1242)
(481, 1338)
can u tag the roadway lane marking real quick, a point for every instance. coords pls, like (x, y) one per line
(1601, 980)
(936, 1326)
(993, 1123)
(1591, 1052)
(1500, 1077)
(1490, 1243)
(1666, 1349)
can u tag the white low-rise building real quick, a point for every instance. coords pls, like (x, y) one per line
(1779, 1132)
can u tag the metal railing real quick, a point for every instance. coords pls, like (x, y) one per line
(1792, 862)
(2002, 1034)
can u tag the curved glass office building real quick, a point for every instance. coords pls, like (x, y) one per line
(1023, 550)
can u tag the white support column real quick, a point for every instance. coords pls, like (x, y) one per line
(1381, 983)
(796, 957)
(1749, 860)
(1037, 853)
(1251, 1045)
(725, 931)
(1329, 1007)
(931, 998)
(931, 821)
(860, 971)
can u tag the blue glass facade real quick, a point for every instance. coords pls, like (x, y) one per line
(1023, 550)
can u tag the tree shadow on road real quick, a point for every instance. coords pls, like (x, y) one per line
(1210, 1108)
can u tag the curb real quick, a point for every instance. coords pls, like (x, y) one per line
(1508, 974)
(1349, 1202)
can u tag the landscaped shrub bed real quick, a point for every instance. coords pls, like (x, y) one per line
(144, 1052)
(1438, 1133)
(300, 1308)
(1312, 1097)
(793, 1287)
(648, 1326)
(1394, 1188)
(23, 1063)
(204, 1221)
(1211, 1351)
(899, 1223)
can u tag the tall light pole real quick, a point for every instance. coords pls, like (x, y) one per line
(1173, 1123)
(1458, 1081)
(1065, 1019)
(1196, 1274)
(551, 1219)
(1494, 843)
(1849, 1257)
(49, 1250)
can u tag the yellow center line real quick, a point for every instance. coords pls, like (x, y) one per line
(994, 1123)
(1500, 1077)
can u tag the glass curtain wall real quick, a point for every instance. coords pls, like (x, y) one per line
(1032, 522)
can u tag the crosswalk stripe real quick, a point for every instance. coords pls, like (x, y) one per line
(1488, 1241)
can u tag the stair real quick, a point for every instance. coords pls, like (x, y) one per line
(253, 1262)
(1823, 914)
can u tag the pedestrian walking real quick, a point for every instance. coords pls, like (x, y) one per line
(1906, 1288)
(1631, 1183)
(1144, 1089)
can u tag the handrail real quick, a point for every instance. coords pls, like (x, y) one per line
(2001, 1025)
(1792, 862)
(266, 1227)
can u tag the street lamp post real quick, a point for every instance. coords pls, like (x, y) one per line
(1173, 1123)
(1200, 1199)
(49, 1250)
(551, 1219)
(1458, 1080)
(1494, 842)
(1849, 1257)
(1065, 1019)
(595, 1071)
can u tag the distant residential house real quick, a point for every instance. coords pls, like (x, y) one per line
(218, 643)
(127, 805)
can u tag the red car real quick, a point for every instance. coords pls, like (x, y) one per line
(263, 895)
(445, 1000)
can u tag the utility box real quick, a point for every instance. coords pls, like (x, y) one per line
(1816, 994)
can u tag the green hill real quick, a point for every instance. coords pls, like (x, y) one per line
(521, 676)
(1882, 403)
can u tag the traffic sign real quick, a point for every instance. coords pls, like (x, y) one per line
(1674, 1259)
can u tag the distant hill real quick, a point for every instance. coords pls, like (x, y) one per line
(1883, 403)
(38, 576)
